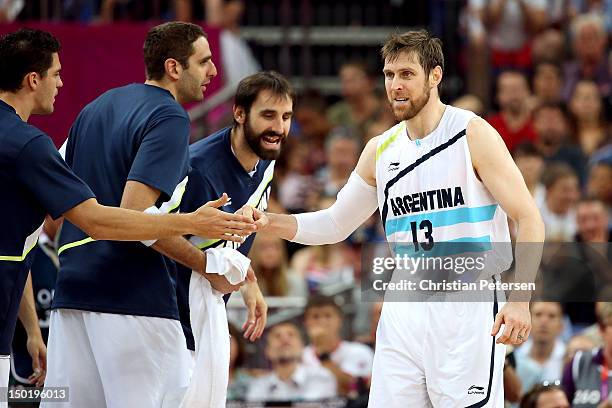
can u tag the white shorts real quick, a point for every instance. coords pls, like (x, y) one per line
(115, 361)
(438, 354)
(5, 372)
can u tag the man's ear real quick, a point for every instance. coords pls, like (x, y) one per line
(31, 81)
(239, 114)
(435, 76)
(173, 68)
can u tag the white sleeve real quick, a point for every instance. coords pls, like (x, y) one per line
(355, 203)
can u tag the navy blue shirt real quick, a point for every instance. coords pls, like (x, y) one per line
(136, 132)
(35, 181)
(44, 273)
(214, 171)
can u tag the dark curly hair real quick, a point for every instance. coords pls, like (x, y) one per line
(23, 52)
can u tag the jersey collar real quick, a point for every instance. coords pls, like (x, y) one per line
(5, 106)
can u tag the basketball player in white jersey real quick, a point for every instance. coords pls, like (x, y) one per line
(448, 170)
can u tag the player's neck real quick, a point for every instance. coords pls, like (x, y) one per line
(427, 120)
(247, 158)
(22, 106)
(163, 85)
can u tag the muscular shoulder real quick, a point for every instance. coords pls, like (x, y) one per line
(484, 141)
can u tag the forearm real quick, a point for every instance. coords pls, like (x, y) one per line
(355, 203)
(182, 251)
(528, 252)
(27, 310)
(121, 224)
(282, 225)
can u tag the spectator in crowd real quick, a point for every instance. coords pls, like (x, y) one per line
(599, 183)
(589, 40)
(579, 274)
(385, 120)
(577, 343)
(342, 152)
(297, 189)
(370, 338)
(270, 263)
(548, 46)
(360, 106)
(586, 107)
(553, 138)
(547, 83)
(227, 15)
(350, 362)
(527, 370)
(290, 379)
(314, 126)
(513, 121)
(10, 9)
(585, 378)
(477, 52)
(593, 221)
(512, 382)
(469, 102)
(325, 264)
(530, 162)
(545, 396)
(239, 379)
(558, 211)
(512, 24)
(544, 345)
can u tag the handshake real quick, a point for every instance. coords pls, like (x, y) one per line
(210, 222)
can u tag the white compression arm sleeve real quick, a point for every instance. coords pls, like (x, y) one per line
(355, 203)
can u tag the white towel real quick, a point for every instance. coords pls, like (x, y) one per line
(208, 387)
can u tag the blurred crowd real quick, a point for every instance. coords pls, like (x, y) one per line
(540, 72)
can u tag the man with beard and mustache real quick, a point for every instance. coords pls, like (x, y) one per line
(239, 160)
(441, 348)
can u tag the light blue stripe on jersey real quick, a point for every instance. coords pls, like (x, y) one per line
(446, 248)
(442, 218)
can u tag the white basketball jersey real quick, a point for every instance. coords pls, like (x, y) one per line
(428, 191)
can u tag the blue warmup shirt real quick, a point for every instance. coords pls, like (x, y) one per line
(214, 171)
(137, 132)
(35, 181)
(44, 273)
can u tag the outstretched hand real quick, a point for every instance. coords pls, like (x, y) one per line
(210, 222)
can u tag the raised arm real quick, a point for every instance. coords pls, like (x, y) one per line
(355, 204)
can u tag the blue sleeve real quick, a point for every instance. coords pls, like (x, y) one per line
(43, 171)
(198, 192)
(163, 155)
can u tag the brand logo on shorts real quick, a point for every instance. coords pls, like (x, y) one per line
(474, 389)
(393, 166)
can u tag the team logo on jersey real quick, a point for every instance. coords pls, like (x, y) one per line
(393, 166)
(475, 389)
